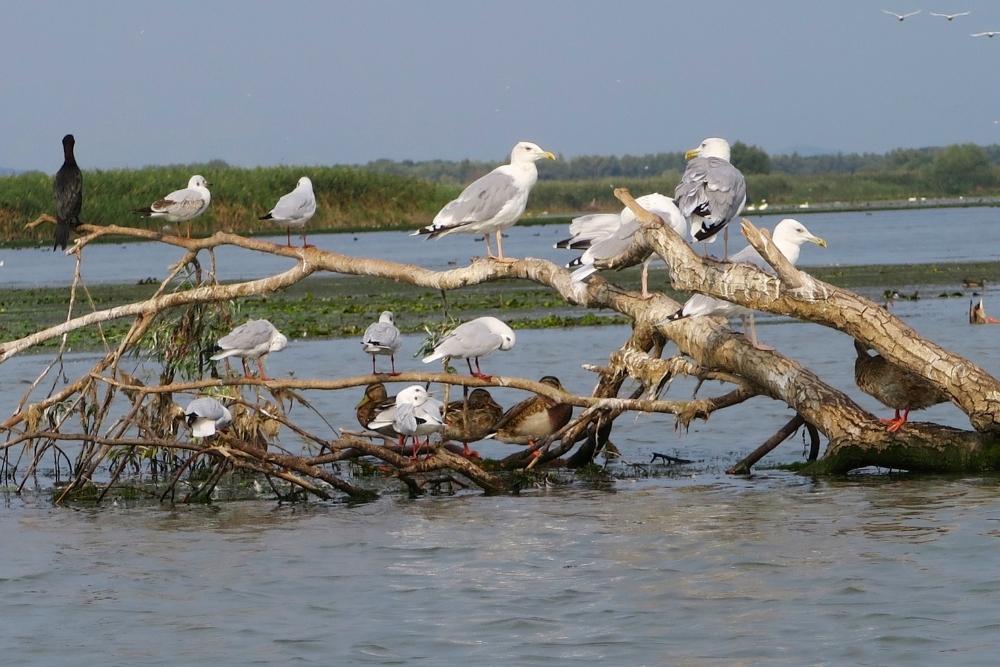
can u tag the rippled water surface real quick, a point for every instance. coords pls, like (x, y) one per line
(691, 568)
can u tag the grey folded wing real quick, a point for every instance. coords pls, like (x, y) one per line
(472, 339)
(248, 336)
(405, 419)
(382, 335)
(711, 188)
(296, 205)
(481, 201)
(207, 408)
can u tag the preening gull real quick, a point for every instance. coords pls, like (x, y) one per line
(415, 413)
(205, 416)
(67, 190)
(900, 17)
(382, 338)
(535, 418)
(494, 202)
(712, 192)
(788, 237)
(472, 340)
(295, 209)
(251, 341)
(951, 17)
(606, 235)
(181, 205)
(894, 386)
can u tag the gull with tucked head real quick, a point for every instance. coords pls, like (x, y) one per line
(712, 192)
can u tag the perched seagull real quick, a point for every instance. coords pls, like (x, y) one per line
(205, 416)
(67, 189)
(251, 341)
(474, 339)
(295, 209)
(712, 191)
(950, 17)
(788, 237)
(605, 235)
(988, 33)
(382, 338)
(901, 17)
(414, 413)
(494, 202)
(181, 205)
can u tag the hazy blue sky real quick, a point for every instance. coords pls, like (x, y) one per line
(336, 82)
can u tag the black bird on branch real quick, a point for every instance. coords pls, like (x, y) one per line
(68, 193)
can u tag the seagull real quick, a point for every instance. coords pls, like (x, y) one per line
(295, 209)
(494, 202)
(67, 189)
(788, 237)
(181, 205)
(251, 341)
(205, 416)
(712, 191)
(901, 17)
(988, 33)
(950, 17)
(414, 413)
(605, 235)
(474, 339)
(382, 338)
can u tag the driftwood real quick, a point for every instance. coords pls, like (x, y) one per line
(709, 350)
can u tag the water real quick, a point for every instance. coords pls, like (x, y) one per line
(695, 568)
(928, 235)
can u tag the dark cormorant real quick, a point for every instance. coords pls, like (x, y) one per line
(68, 193)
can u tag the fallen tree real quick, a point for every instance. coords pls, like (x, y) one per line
(124, 422)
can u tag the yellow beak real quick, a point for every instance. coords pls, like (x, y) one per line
(693, 153)
(550, 155)
(818, 241)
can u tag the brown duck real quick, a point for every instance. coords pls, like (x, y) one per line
(894, 386)
(375, 401)
(472, 419)
(536, 417)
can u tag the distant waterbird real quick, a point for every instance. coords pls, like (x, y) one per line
(950, 17)
(712, 192)
(382, 338)
(494, 202)
(251, 340)
(988, 33)
(415, 413)
(181, 205)
(894, 386)
(534, 418)
(901, 17)
(67, 190)
(295, 209)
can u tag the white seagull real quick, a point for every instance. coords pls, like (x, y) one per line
(605, 235)
(988, 33)
(251, 341)
(712, 192)
(382, 338)
(494, 202)
(788, 237)
(181, 205)
(900, 17)
(295, 209)
(205, 416)
(951, 17)
(472, 340)
(414, 413)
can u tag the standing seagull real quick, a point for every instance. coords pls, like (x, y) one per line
(251, 341)
(474, 339)
(382, 338)
(788, 237)
(712, 191)
(494, 202)
(295, 209)
(951, 17)
(68, 192)
(901, 17)
(181, 205)
(415, 413)
(205, 416)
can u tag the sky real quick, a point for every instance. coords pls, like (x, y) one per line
(315, 83)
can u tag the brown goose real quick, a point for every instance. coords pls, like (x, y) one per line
(894, 386)
(472, 419)
(535, 417)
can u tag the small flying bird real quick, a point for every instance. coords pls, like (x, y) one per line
(988, 33)
(205, 416)
(181, 205)
(712, 192)
(382, 338)
(894, 386)
(535, 418)
(295, 209)
(414, 413)
(67, 190)
(472, 419)
(252, 340)
(951, 17)
(494, 202)
(900, 17)
(472, 340)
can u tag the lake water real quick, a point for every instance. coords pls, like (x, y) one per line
(693, 568)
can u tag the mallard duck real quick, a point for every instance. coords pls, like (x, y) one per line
(977, 314)
(536, 417)
(472, 419)
(894, 386)
(374, 401)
